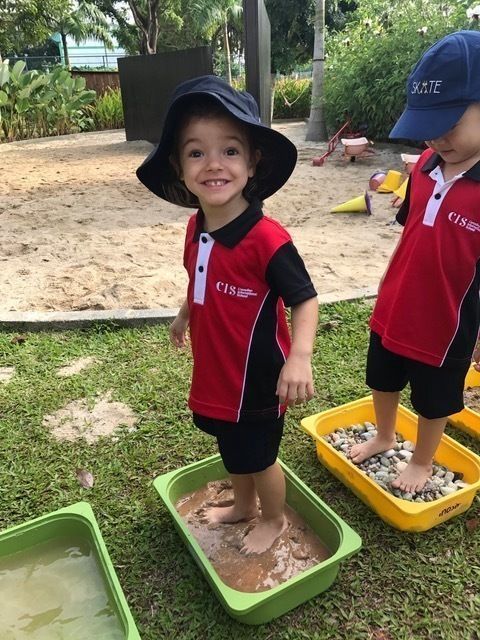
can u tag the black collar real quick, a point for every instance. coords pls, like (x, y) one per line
(231, 234)
(434, 160)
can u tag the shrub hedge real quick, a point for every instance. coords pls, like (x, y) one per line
(368, 63)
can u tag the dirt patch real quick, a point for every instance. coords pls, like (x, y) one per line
(81, 232)
(296, 550)
(79, 419)
(75, 367)
(6, 374)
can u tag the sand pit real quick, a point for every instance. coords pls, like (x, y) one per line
(78, 230)
(295, 551)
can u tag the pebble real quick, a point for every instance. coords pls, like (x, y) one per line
(389, 453)
(367, 435)
(385, 467)
(446, 491)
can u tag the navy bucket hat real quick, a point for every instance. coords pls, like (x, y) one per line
(157, 172)
(442, 85)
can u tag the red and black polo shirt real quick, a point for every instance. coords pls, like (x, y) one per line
(428, 306)
(240, 277)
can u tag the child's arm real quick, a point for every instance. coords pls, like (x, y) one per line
(178, 328)
(295, 383)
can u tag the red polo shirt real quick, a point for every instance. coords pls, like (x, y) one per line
(428, 306)
(240, 276)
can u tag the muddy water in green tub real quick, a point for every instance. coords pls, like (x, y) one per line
(55, 591)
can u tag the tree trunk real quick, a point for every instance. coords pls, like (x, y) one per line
(152, 30)
(317, 129)
(226, 45)
(147, 25)
(65, 50)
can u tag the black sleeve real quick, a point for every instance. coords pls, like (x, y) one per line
(402, 213)
(287, 276)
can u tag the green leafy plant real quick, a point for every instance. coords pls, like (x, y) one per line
(292, 97)
(368, 63)
(107, 110)
(35, 104)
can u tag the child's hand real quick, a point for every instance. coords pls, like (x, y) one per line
(476, 357)
(295, 382)
(178, 331)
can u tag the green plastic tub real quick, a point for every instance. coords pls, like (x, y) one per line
(257, 608)
(58, 579)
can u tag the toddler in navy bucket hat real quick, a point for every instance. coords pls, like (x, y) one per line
(424, 326)
(243, 269)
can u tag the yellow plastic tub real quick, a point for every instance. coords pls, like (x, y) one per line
(401, 514)
(467, 419)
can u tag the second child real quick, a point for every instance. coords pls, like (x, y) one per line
(425, 322)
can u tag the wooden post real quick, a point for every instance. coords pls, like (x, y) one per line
(257, 55)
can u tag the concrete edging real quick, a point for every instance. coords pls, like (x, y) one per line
(61, 320)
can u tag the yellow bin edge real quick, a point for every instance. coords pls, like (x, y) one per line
(468, 420)
(401, 514)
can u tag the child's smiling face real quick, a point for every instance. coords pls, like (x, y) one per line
(460, 146)
(216, 161)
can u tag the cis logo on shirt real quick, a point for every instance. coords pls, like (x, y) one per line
(462, 221)
(233, 290)
(224, 287)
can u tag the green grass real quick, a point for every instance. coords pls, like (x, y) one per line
(399, 587)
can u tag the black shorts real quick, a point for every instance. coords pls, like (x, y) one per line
(435, 392)
(245, 447)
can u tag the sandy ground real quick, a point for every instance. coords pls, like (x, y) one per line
(79, 231)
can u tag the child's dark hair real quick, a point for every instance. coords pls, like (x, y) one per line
(209, 108)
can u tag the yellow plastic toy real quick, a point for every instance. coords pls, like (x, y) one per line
(400, 194)
(391, 182)
(468, 420)
(361, 204)
(399, 513)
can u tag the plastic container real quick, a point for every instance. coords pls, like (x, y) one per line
(467, 419)
(257, 608)
(401, 514)
(78, 522)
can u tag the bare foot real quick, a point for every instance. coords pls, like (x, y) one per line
(360, 452)
(229, 515)
(413, 478)
(263, 535)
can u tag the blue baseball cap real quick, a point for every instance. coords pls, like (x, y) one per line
(444, 82)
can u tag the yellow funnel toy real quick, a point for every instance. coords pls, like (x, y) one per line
(361, 204)
(391, 182)
(401, 192)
